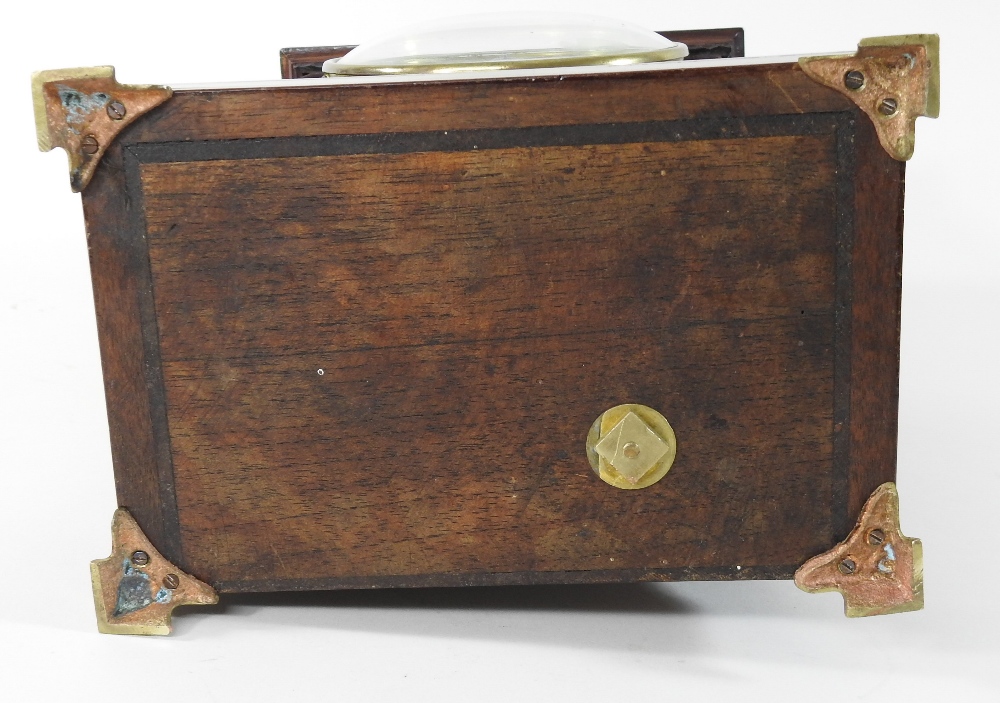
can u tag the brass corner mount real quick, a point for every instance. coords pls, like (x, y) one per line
(82, 110)
(136, 588)
(893, 80)
(877, 568)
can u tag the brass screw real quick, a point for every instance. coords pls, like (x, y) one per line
(140, 558)
(888, 106)
(171, 581)
(876, 537)
(116, 110)
(847, 567)
(89, 145)
(854, 79)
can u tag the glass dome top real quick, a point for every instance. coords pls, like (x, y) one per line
(500, 41)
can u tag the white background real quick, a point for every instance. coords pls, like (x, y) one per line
(691, 641)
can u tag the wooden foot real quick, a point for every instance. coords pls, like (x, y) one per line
(136, 589)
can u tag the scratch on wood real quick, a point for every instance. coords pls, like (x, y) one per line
(776, 84)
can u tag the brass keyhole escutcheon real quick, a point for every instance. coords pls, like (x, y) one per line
(631, 446)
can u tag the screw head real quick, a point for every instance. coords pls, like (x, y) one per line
(171, 581)
(876, 537)
(847, 567)
(140, 558)
(116, 110)
(854, 80)
(89, 144)
(888, 106)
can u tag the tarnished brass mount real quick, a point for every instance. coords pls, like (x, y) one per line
(893, 80)
(82, 110)
(877, 568)
(136, 589)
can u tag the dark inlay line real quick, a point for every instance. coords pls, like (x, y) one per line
(481, 139)
(152, 362)
(843, 314)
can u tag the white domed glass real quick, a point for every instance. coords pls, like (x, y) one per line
(502, 41)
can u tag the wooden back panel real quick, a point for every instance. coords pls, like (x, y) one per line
(479, 269)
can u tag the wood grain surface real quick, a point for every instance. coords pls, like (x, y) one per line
(477, 285)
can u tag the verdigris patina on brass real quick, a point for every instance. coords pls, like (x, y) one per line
(82, 110)
(136, 589)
